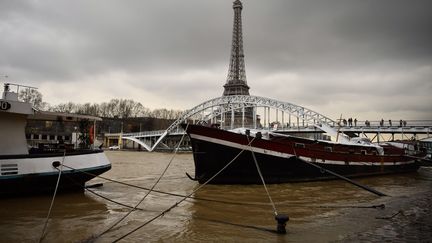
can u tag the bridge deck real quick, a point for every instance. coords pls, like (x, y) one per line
(423, 129)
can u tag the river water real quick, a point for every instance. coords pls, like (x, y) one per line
(318, 211)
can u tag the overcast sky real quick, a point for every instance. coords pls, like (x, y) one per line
(369, 59)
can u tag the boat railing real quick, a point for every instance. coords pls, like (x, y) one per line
(409, 124)
(17, 86)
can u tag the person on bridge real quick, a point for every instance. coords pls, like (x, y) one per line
(355, 122)
(382, 122)
(390, 123)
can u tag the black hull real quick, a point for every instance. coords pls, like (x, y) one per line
(211, 157)
(34, 184)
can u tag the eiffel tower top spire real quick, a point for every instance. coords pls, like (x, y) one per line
(236, 81)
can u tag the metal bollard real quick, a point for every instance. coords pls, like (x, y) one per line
(281, 223)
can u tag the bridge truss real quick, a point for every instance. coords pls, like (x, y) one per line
(217, 109)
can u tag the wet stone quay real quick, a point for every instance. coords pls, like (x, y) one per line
(405, 219)
(411, 224)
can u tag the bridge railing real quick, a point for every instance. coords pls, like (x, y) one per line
(372, 124)
(394, 123)
(151, 133)
(145, 133)
(418, 124)
(397, 123)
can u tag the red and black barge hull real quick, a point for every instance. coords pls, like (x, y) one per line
(214, 148)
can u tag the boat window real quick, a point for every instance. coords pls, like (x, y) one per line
(328, 149)
(51, 137)
(299, 145)
(66, 137)
(48, 124)
(363, 152)
(44, 137)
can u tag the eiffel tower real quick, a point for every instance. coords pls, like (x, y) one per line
(236, 81)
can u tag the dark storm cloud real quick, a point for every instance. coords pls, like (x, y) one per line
(307, 52)
(74, 37)
(340, 34)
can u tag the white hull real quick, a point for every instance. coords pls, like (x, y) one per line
(36, 173)
(26, 166)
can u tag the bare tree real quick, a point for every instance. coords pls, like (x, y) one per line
(69, 107)
(120, 108)
(88, 109)
(34, 97)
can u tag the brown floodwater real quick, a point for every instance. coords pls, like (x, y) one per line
(318, 211)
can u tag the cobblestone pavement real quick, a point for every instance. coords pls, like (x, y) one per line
(412, 223)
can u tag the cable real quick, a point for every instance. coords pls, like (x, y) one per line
(180, 201)
(151, 189)
(262, 179)
(291, 204)
(53, 198)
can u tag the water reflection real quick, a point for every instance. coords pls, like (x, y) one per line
(22, 219)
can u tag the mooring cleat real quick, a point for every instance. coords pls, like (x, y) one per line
(281, 223)
(56, 164)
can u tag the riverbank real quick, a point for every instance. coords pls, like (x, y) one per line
(407, 217)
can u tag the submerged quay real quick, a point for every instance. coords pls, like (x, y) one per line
(405, 218)
(411, 221)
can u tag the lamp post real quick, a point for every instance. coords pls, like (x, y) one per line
(121, 136)
(76, 136)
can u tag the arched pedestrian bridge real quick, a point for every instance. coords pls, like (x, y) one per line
(266, 113)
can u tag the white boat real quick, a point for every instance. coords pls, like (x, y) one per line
(23, 171)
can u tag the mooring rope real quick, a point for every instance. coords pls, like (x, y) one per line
(151, 189)
(91, 239)
(392, 216)
(183, 215)
(53, 198)
(262, 178)
(291, 204)
(323, 170)
(183, 199)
